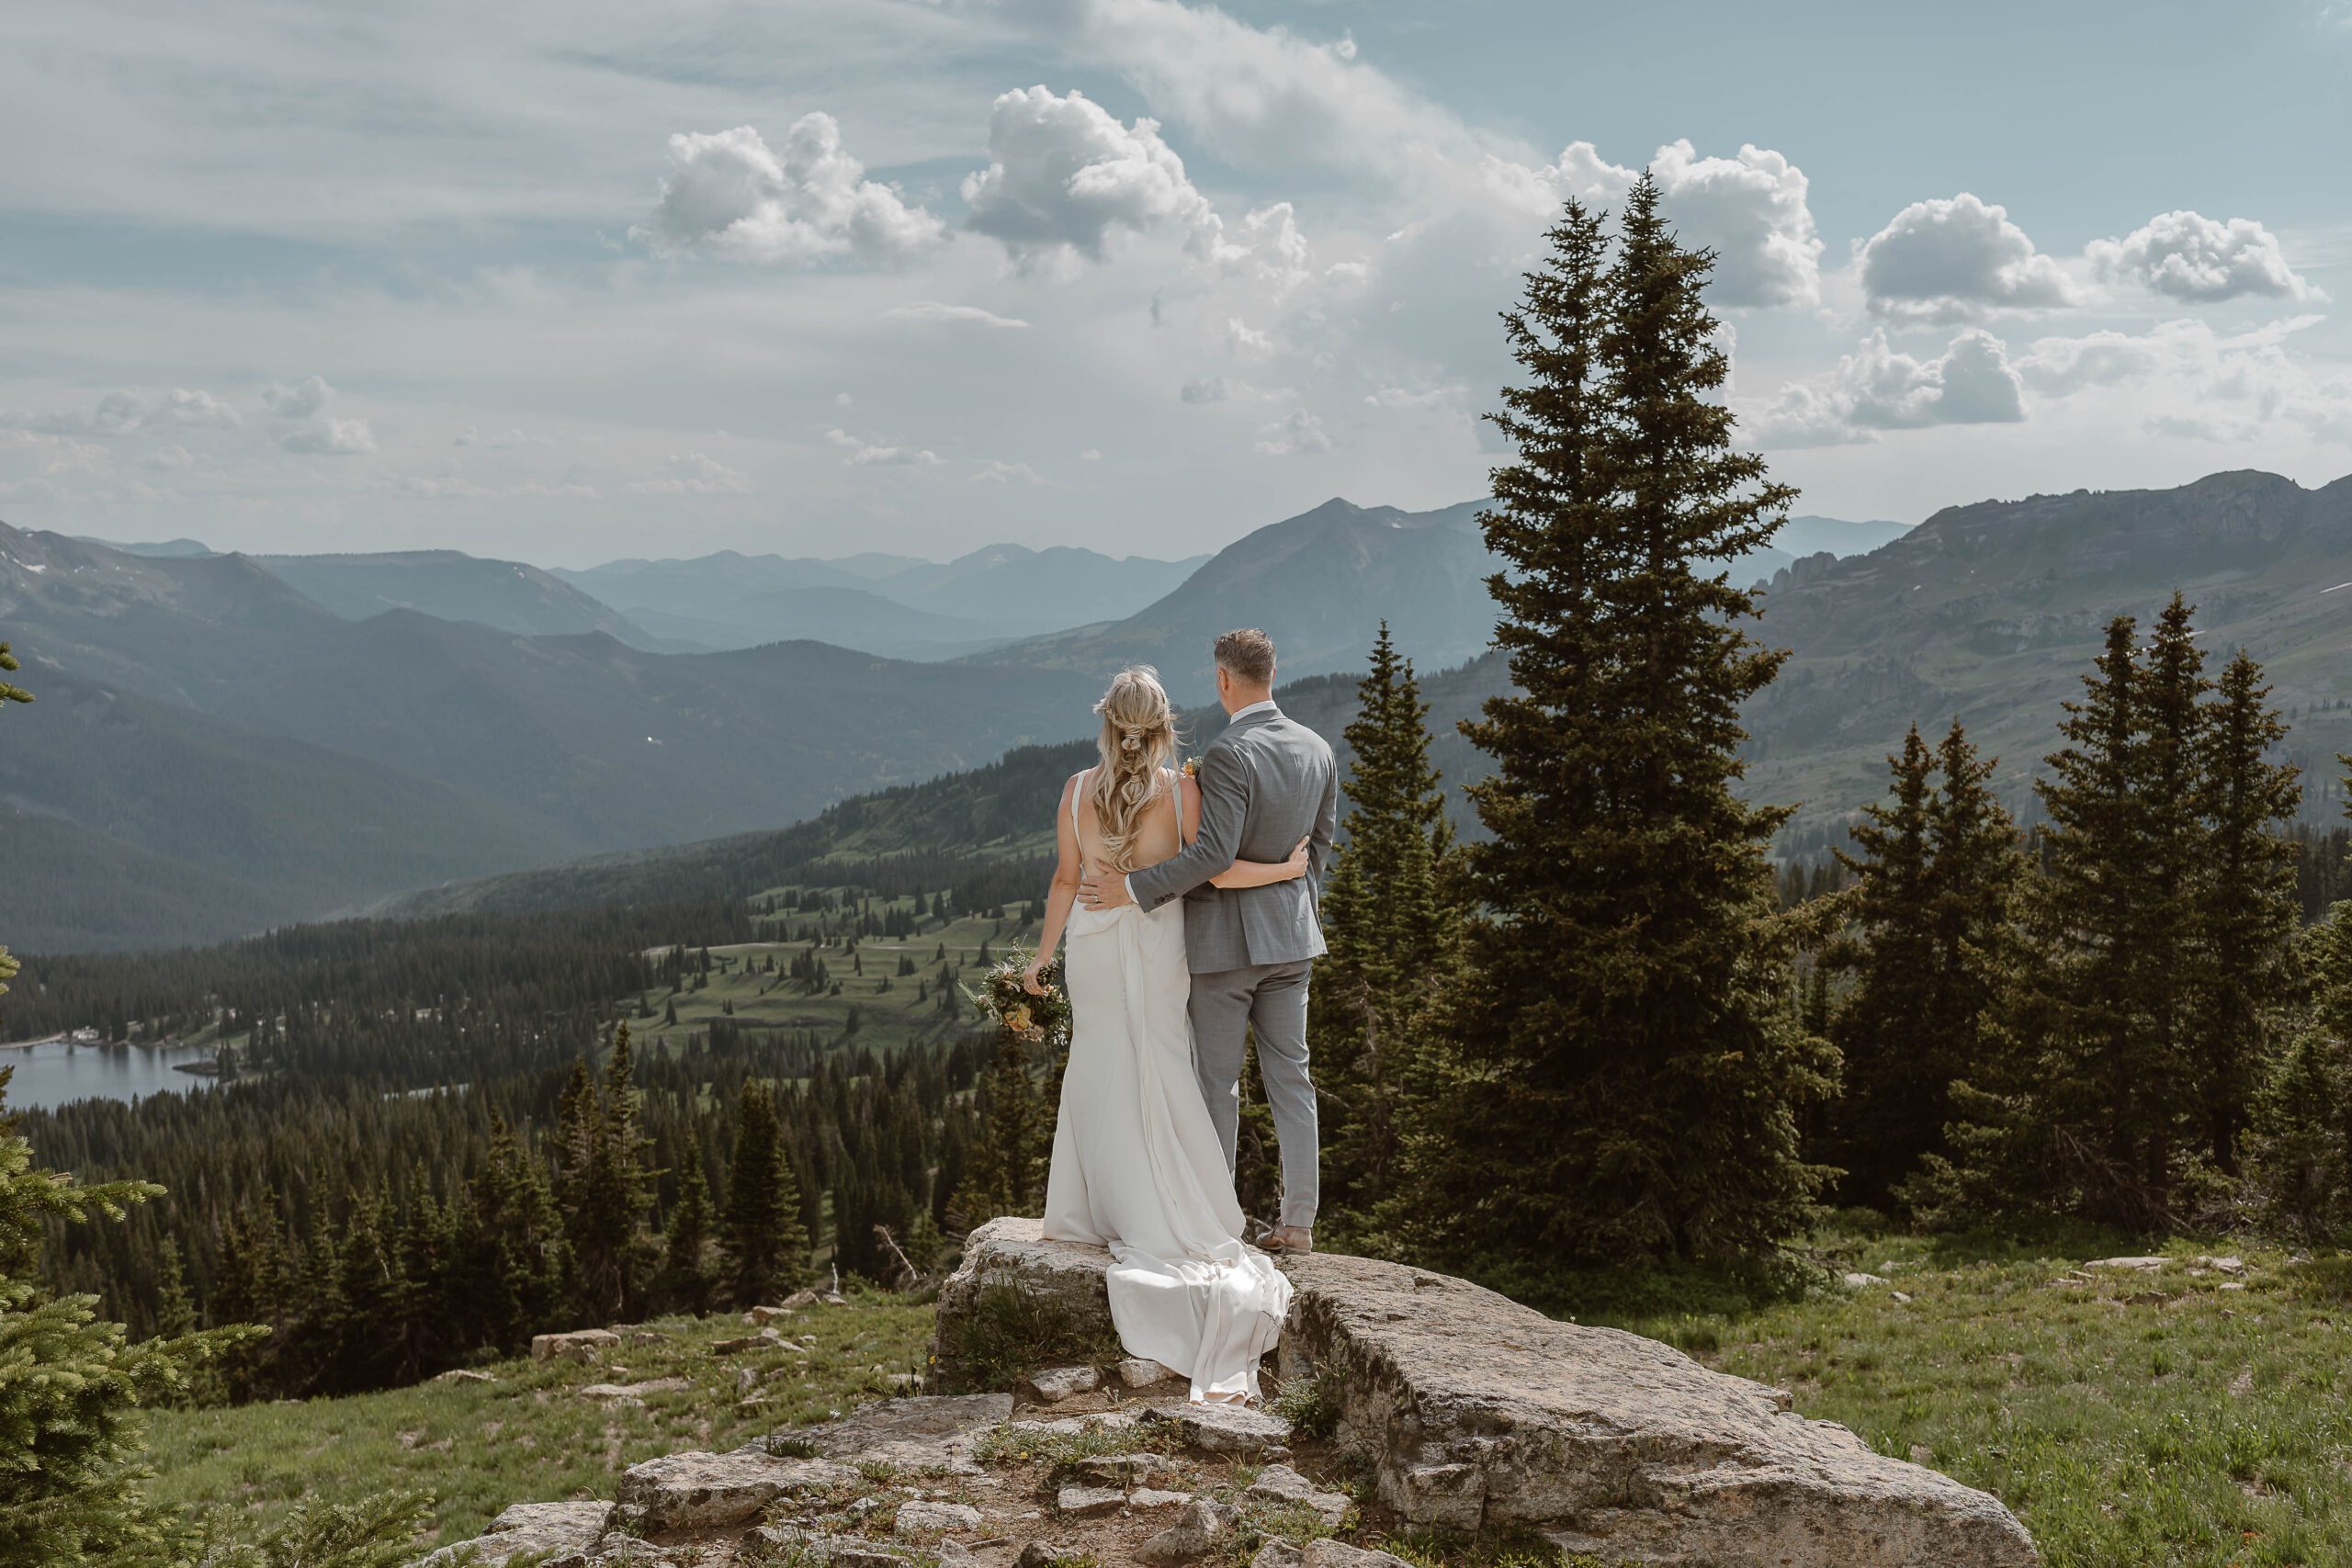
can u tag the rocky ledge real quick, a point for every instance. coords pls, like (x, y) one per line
(1474, 1411)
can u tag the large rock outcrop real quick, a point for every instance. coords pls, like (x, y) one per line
(1475, 1411)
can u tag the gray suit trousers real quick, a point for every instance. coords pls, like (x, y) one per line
(1227, 1004)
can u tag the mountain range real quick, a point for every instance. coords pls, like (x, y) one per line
(889, 604)
(223, 742)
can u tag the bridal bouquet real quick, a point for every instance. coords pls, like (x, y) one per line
(1004, 1001)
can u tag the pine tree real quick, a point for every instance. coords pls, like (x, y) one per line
(1631, 1071)
(2168, 953)
(1894, 1101)
(613, 1190)
(73, 1387)
(765, 1243)
(1391, 929)
(2251, 908)
(2086, 1013)
(688, 1280)
(1001, 1172)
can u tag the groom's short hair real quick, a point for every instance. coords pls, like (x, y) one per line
(1247, 655)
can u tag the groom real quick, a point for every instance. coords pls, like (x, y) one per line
(1266, 782)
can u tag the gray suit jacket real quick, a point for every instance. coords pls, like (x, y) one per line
(1266, 782)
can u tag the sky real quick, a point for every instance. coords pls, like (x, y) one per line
(564, 282)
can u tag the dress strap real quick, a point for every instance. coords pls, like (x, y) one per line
(1176, 799)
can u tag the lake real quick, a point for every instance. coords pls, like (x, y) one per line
(53, 1072)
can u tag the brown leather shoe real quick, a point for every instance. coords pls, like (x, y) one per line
(1297, 1240)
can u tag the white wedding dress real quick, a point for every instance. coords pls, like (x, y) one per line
(1137, 1164)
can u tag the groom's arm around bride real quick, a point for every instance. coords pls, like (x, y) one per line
(1266, 782)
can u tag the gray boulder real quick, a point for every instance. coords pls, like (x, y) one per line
(529, 1530)
(706, 1491)
(931, 1432)
(1476, 1412)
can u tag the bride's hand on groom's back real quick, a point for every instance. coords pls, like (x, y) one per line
(1298, 863)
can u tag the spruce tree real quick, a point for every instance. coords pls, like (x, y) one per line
(612, 1190)
(765, 1243)
(2086, 1014)
(2167, 950)
(1894, 1100)
(2251, 909)
(688, 1280)
(1631, 1071)
(1391, 931)
(72, 1386)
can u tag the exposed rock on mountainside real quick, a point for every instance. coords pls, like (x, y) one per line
(1475, 1412)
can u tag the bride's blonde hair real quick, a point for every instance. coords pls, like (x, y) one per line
(1139, 740)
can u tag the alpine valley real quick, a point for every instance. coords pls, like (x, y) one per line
(225, 742)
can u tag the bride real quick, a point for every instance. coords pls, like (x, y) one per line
(1137, 1167)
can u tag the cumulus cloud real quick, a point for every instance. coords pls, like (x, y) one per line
(2185, 377)
(169, 457)
(330, 438)
(1296, 431)
(127, 411)
(997, 471)
(1257, 96)
(694, 473)
(729, 195)
(933, 310)
(1751, 210)
(1951, 258)
(301, 401)
(860, 453)
(2060, 366)
(2189, 256)
(1064, 175)
(1880, 388)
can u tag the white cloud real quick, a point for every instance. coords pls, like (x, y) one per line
(996, 472)
(170, 456)
(863, 454)
(933, 310)
(1258, 95)
(130, 409)
(1751, 210)
(329, 436)
(1246, 339)
(1880, 387)
(2183, 377)
(2060, 366)
(1296, 432)
(728, 194)
(301, 401)
(695, 473)
(1955, 257)
(1064, 175)
(2189, 256)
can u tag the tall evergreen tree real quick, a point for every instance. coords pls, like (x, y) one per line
(2168, 953)
(765, 1243)
(1631, 1067)
(612, 1190)
(1893, 1100)
(688, 1281)
(1391, 939)
(2251, 909)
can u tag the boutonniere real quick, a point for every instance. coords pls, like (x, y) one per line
(1191, 767)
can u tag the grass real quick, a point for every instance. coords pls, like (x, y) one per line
(529, 1436)
(2143, 1419)
(1010, 1330)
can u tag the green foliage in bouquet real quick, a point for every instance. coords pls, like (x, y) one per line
(1006, 1173)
